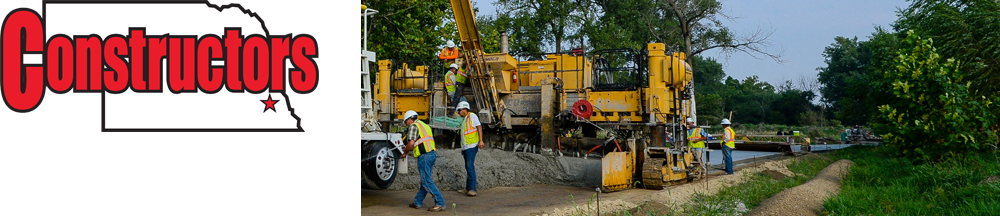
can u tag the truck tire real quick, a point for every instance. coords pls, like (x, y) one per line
(380, 171)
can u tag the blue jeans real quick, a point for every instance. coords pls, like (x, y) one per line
(727, 156)
(425, 163)
(470, 167)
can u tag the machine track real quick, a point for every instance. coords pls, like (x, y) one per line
(652, 173)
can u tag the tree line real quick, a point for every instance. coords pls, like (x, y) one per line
(928, 84)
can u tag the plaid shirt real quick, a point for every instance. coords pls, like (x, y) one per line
(414, 133)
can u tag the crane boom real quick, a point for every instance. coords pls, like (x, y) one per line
(465, 19)
(480, 75)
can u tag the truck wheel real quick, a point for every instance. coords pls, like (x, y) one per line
(380, 171)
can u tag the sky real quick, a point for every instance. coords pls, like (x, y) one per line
(801, 28)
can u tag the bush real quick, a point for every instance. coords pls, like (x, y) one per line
(933, 114)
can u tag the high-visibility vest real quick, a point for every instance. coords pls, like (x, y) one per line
(426, 141)
(729, 137)
(695, 134)
(462, 76)
(469, 131)
(449, 84)
(448, 54)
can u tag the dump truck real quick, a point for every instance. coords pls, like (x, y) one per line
(621, 104)
(380, 151)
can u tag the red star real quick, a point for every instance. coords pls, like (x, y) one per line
(269, 104)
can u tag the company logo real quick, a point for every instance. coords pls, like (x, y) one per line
(159, 66)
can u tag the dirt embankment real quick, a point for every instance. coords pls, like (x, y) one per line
(496, 168)
(806, 199)
(674, 197)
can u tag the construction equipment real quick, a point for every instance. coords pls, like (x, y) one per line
(605, 97)
(380, 152)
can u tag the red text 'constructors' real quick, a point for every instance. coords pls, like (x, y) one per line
(116, 63)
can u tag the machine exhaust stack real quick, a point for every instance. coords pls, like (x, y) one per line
(503, 43)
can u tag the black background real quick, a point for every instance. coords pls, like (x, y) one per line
(59, 154)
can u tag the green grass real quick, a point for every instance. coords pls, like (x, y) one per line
(754, 190)
(882, 185)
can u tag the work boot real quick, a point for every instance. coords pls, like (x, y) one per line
(436, 208)
(472, 193)
(414, 206)
(462, 191)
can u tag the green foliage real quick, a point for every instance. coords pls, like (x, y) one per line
(967, 30)
(846, 72)
(934, 113)
(408, 29)
(538, 23)
(879, 184)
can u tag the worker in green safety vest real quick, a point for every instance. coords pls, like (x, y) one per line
(729, 143)
(420, 140)
(696, 142)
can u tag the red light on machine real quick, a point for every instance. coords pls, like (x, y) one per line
(514, 74)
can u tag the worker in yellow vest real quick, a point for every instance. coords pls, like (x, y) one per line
(472, 131)
(451, 86)
(729, 143)
(421, 142)
(696, 142)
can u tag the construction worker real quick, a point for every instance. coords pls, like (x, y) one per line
(696, 142)
(449, 53)
(729, 141)
(421, 142)
(451, 86)
(471, 143)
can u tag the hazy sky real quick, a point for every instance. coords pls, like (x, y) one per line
(801, 28)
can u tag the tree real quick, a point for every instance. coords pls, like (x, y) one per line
(535, 21)
(933, 113)
(408, 30)
(750, 100)
(789, 104)
(701, 30)
(847, 64)
(967, 30)
(709, 72)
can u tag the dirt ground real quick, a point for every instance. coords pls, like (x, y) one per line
(531, 184)
(806, 199)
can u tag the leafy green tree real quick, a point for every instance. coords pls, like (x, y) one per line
(789, 104)
(408, 29)
(708, 72)
(708, 77)
(847, 64)
(934, 113)
(967, 30)
(538, 21)
(750, 100)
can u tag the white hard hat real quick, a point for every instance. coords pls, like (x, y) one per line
(690, 120)
(462, 105)
(451, 44)
(409, 114)
(453, 65)
(725, 121)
